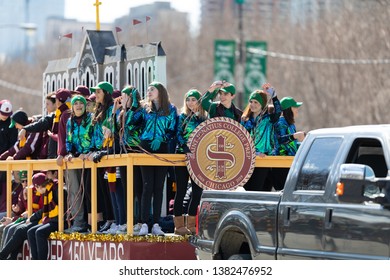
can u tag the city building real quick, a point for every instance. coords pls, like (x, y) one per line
(23, 24)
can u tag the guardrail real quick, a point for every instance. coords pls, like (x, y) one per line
(128, 160)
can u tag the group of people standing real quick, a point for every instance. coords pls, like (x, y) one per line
(89, 123)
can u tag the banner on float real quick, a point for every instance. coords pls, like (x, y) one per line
(111, 250)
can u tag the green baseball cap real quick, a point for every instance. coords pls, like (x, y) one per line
(288, 102)
(104, 86)
(129, 90)
(230, 89)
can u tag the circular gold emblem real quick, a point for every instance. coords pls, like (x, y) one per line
(222, 154)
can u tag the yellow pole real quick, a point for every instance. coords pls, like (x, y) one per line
(129, 193)
(8, 192)
(94, 198)
(97, 4)
(61, 200)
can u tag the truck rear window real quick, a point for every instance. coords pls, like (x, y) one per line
(318, 163)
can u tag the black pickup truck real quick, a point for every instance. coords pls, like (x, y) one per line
(335, 204)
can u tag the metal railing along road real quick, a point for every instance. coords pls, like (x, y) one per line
(128, 160)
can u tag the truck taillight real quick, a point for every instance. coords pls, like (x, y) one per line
(340, 188)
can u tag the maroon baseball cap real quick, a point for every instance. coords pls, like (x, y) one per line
(62, 94)
(38, 179)
(83, 90)
(92, 97)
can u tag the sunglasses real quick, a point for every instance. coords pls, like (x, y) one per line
(24, 181)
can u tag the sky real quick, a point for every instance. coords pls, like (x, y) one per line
(84, 10)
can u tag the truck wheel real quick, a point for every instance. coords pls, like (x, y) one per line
(237, 257)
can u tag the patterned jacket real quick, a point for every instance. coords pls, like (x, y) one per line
(79, 135)
(131, 132)
(262, 130)
(157, 125)
(98, 142)
(186, 125)
(288, 145)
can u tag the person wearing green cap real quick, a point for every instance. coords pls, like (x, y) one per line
(78, 142)
(259, 119)
(158, 119)
(102, 144)
(192, 115)
(129, 135)
(288, 137)
(224, 107)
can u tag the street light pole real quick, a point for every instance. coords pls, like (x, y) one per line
(28, 27)
(240, 60)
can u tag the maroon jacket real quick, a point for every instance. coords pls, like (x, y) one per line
(61, 149)
(31, 148)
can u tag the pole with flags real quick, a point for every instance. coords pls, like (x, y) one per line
(135, 22)
(69, 36)
(147, 19)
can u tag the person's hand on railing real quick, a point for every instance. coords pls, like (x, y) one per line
(60, 160)
(97, 157)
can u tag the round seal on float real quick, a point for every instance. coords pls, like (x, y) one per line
(222, 154)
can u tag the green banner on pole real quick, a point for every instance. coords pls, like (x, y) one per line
(255, 67)
(224, 60)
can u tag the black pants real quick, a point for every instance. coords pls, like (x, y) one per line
(104, 204)
(278, 177)
(153, 178)
(137, 189)
(182, 176)
(258, 180)
(38, 240)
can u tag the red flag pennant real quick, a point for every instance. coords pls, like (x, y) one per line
(136, 21)
(69, 35)
(118, 29)
(148, 18)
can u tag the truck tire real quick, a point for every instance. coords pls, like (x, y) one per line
(237, 257)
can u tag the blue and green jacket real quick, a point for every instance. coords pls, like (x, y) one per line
(79, 135)
(132, 132)
(186, 125)
(288, 145)
(97, 142)
(156, 125)
(262, 130)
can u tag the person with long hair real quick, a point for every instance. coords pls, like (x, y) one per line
(288, 137)
(102, 141)
(259, 119)
(192, 114)
(158, 119)
(127, 106)
(78, 142)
